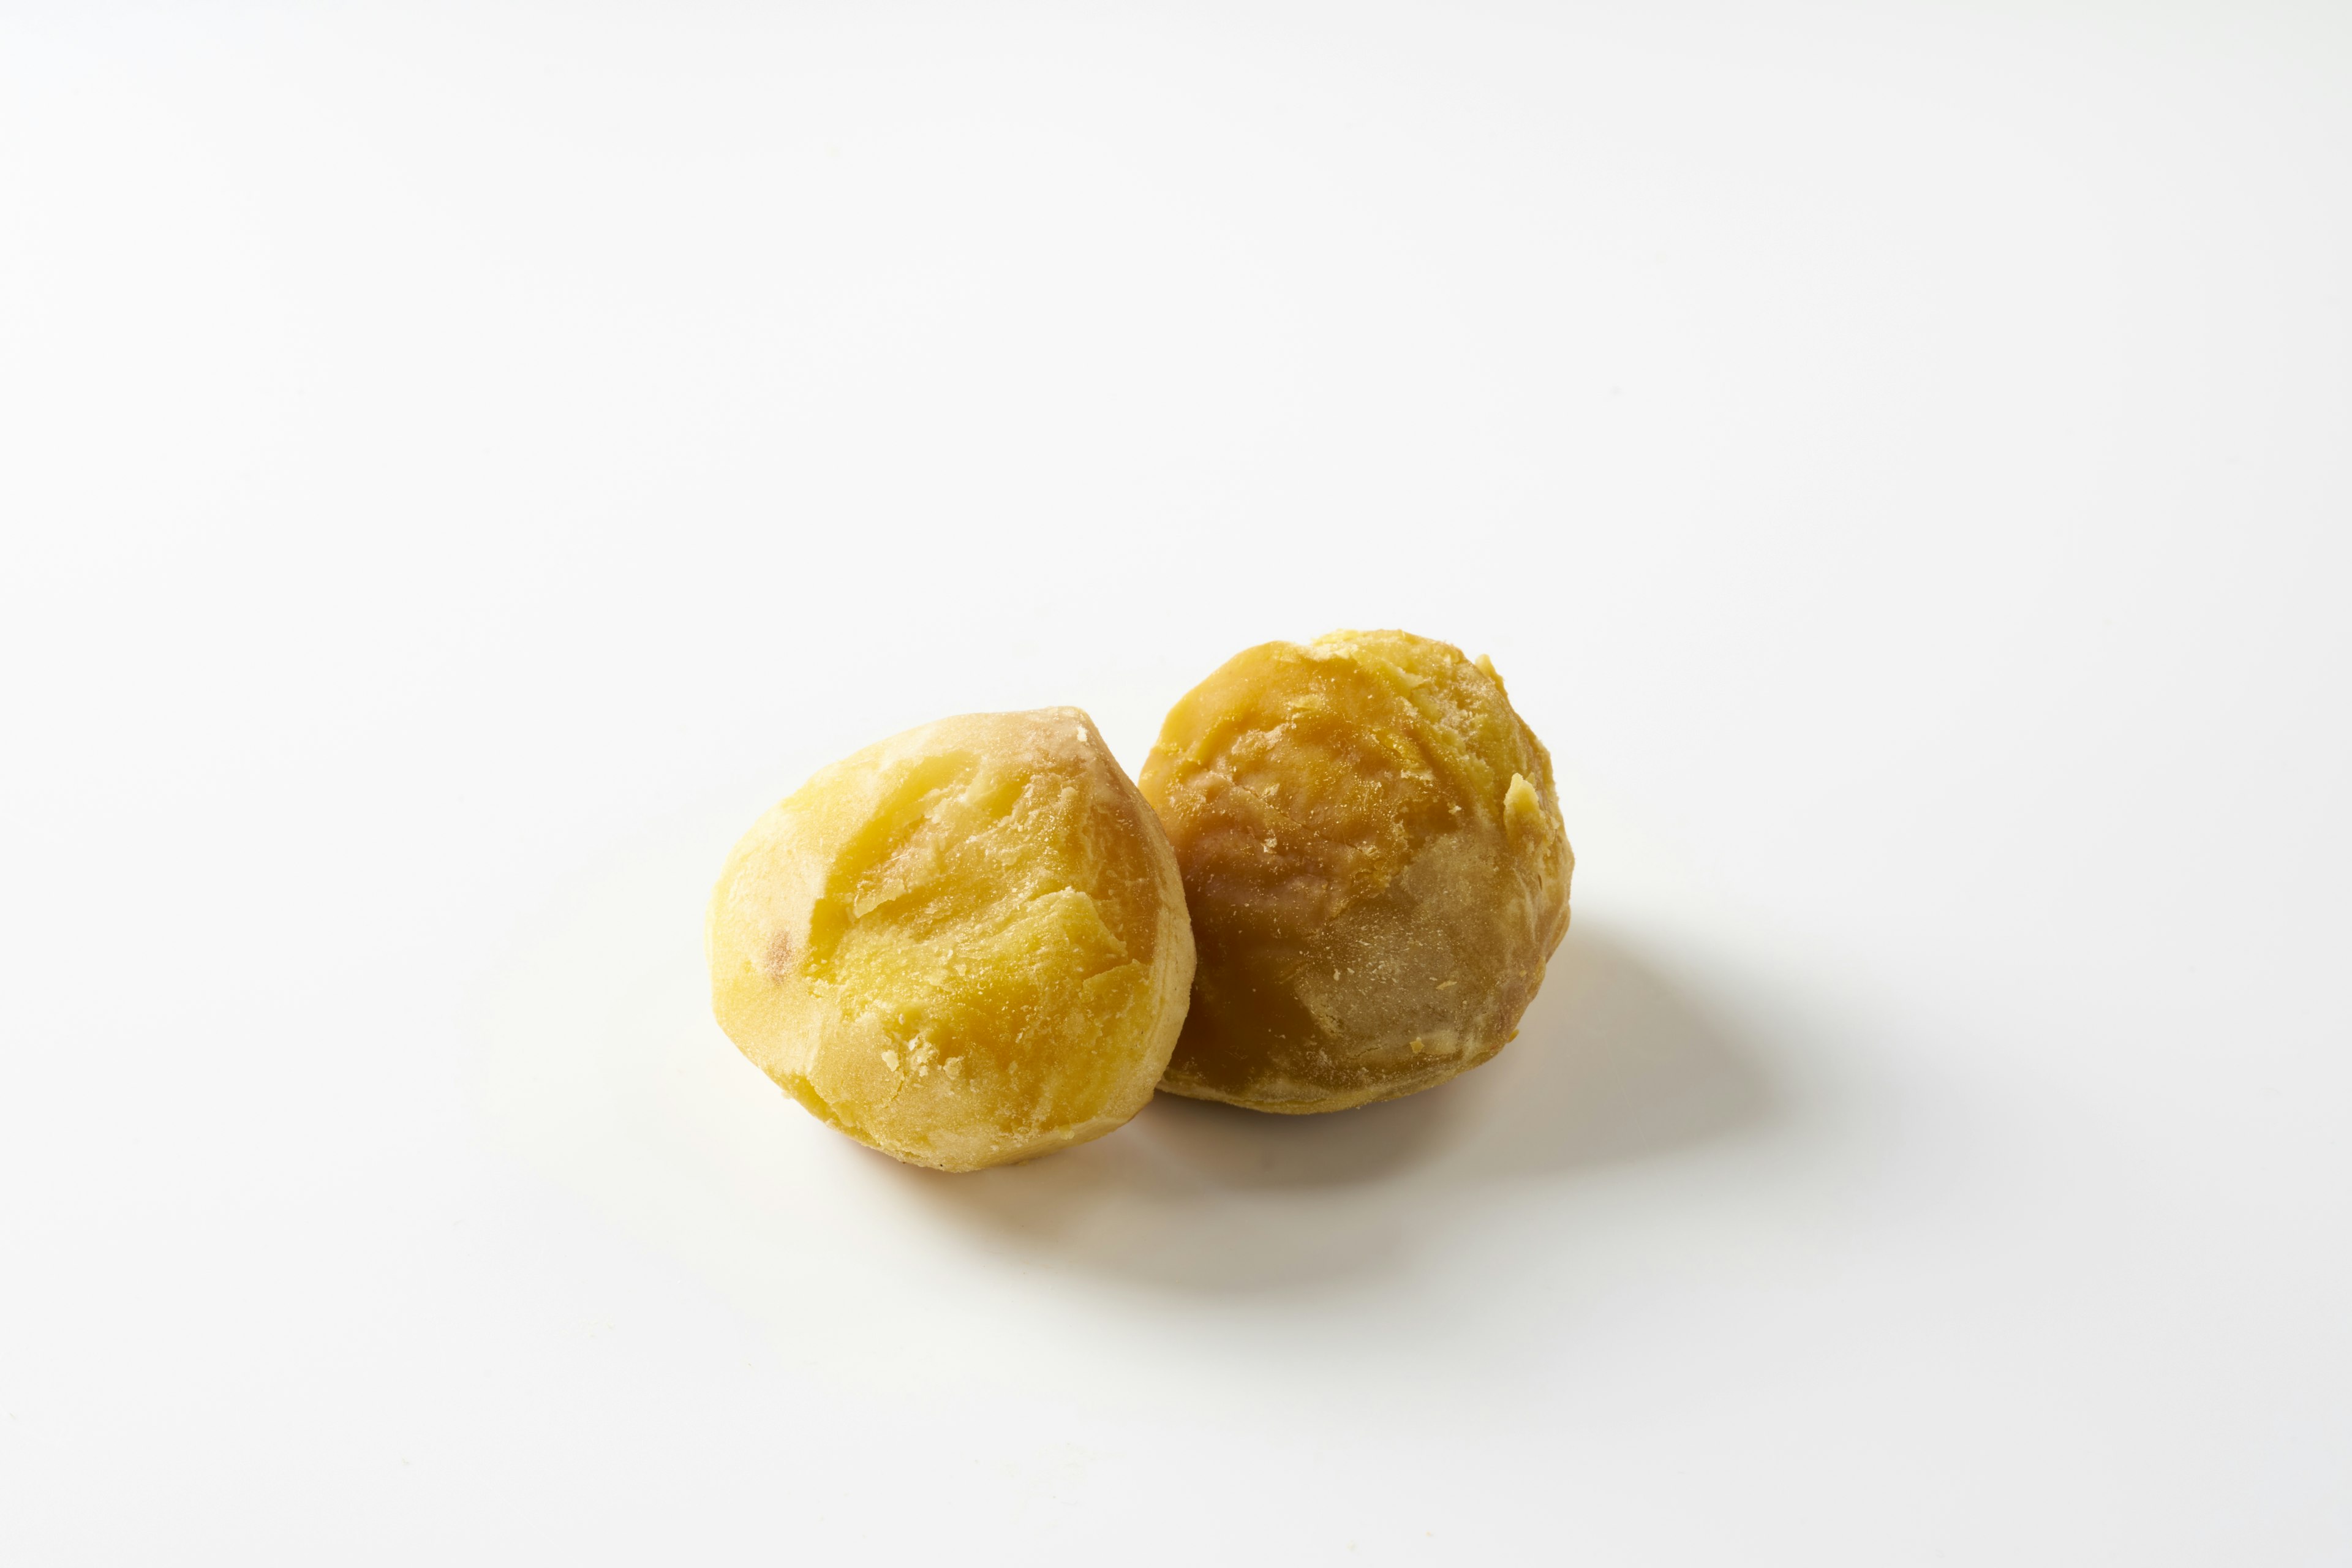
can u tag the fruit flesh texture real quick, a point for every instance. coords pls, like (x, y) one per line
(964, 946)
(1373, 856)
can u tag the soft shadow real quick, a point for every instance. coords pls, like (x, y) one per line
(1615, 1064)
(1625, 1067)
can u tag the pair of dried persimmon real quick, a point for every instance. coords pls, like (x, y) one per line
(979, 941)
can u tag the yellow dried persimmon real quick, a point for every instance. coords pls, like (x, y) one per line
(1377, 872)
(964, 946)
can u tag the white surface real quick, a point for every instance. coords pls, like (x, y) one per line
(462, 462)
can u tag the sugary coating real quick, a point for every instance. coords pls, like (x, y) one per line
(965, 946)
(1373, 851)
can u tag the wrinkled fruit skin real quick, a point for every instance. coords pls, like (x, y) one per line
(965, 946)
(1373, 851)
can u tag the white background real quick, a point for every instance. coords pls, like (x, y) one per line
(459, 463)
